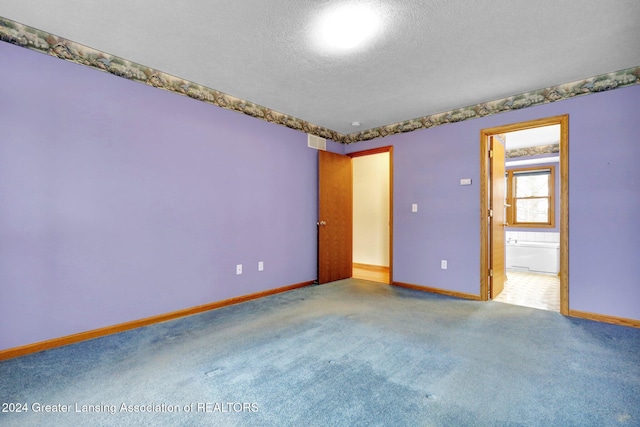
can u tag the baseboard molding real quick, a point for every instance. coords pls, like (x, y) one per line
(121, 327)
(370, 267)
(375, 273)
(622, 321)
(456, 294)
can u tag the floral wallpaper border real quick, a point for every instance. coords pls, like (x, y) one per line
(40, 41)
(533, 151)
(601, 83)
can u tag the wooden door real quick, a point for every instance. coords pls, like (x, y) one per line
(497, 218)
(335, 217)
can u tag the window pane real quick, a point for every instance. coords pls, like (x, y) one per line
(532, 185)
(532, 210)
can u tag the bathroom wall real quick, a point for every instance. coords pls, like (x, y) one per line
(533, 236)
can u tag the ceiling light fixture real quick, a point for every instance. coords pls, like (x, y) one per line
(345, 27)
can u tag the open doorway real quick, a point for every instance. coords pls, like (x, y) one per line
(372, 211)
(336, 221)
(524, 228)
(532, 237)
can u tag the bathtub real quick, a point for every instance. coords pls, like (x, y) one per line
(537, 257)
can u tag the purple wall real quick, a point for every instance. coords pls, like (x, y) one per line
(119, 201)
(604, 201)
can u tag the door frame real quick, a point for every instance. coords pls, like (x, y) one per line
(485, 182)
(379, 150)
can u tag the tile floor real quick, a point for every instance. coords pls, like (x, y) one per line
(531, 290)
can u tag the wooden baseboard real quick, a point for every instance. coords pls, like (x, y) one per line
(375, 273)
(622, 321)
(108, 330)
(438, 291)
(370, 267)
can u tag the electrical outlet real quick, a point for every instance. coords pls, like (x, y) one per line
(260, 265)
(414, 207)
(239, 269)
(443, 264)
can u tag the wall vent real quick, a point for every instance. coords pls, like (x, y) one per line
(316, 142)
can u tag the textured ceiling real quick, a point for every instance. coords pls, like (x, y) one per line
(545, 135)
(430, 56)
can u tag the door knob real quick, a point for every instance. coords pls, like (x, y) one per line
(322, 223)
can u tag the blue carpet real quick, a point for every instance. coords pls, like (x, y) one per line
(350, 353)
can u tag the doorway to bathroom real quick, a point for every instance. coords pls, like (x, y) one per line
(524, 223)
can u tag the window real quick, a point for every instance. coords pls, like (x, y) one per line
(530, 197)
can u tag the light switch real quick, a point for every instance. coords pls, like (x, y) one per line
(414, 207)
(465, 181)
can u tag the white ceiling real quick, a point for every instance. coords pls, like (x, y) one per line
(431, 56)
(545, 135)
